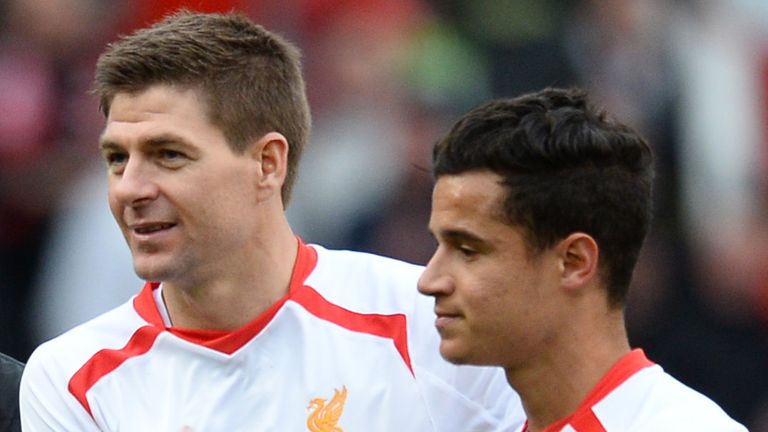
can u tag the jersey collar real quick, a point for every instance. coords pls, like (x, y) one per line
(630, 364)
(227, 341)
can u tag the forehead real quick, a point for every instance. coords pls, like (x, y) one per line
(157, 98)
(470, 198)
(155, 110)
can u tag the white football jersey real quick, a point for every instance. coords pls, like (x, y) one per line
(351, 347)
(636, 395)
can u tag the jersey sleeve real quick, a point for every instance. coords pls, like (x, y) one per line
(686, 409)
(44, 400)
(709, 419)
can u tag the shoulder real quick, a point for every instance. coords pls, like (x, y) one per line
(674, 406)
(45, 399)
(59, 358)
(365, 282)
(353, 264)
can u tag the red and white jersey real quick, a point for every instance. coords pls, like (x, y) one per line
(351, 347)
(637, 395)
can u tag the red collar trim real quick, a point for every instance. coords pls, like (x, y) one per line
(630, 364)
(229, 341)
(107, 360)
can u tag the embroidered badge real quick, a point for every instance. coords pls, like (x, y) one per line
(324, 417)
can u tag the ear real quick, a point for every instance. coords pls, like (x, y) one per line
(270, 153)
(578, 254)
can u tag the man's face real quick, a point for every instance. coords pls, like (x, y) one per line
(492, 298)
(185, 202)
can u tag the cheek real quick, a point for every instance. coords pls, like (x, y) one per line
(488, 293)
(115, 208)
(227, 210)
(234, 187)
(503, 294)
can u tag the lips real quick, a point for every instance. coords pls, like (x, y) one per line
(445, 319)
(441, 313)
(152, 227)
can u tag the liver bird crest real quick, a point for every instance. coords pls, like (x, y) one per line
(324, 417)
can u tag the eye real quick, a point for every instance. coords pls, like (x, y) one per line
(170, 154)
(467, 251)
(115, 160)
(171, 158)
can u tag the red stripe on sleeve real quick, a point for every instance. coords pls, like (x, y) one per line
(107, 360)
(388, 326)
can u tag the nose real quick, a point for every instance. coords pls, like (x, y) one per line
(134, 186)
(435, 281)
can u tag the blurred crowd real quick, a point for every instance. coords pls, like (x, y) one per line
(386, 79)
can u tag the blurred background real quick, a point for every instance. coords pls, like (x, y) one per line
(386, 79)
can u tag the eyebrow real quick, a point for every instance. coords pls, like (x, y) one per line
(107, 145)
(154, 141)
(458, 235)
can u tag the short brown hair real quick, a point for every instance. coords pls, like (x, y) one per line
(250, 78)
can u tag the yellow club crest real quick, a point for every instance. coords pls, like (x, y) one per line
(324, 417)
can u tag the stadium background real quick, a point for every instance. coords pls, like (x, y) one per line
(385, 79)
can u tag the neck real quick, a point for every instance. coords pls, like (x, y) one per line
(553, 385)
(252, 283)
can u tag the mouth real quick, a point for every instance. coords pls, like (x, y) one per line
(445, 312)
(151, 228)
(445, 319)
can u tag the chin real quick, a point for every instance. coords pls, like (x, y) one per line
(453, 354)
(145, 274)
(151, 271)
(465, 355)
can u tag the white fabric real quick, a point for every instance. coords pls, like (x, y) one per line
(269, 382)
(648, 400)
(652, 400)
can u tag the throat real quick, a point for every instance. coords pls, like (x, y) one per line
(212, 309)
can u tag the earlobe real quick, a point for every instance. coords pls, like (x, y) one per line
(579, 255)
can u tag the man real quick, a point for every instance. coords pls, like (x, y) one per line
(10, 375)
(540, 208)
(244, 326)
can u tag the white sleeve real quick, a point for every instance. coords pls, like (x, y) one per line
(672, 406)
(703, 420)
(44, 400)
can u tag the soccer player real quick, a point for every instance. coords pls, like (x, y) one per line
(540, 207)
(242, 327)
(10, 375)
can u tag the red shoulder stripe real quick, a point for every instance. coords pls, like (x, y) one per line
(389, 326)
(584, 419)
(107, 360)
